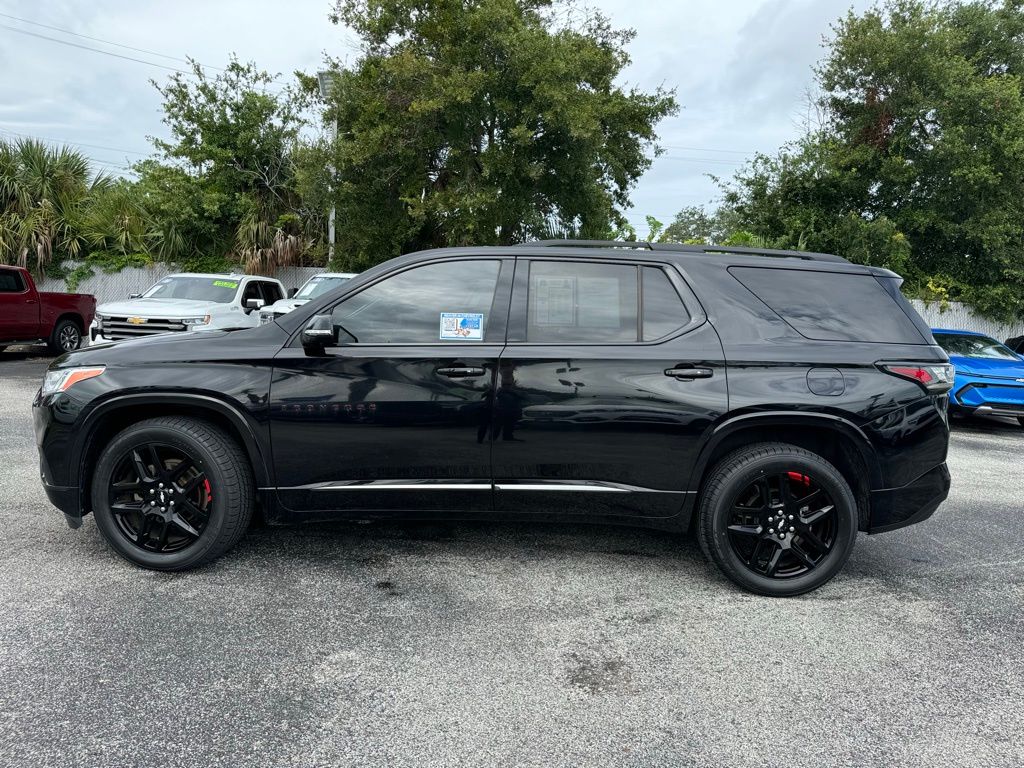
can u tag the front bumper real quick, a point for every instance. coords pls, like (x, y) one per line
(893, 508)
(67, 501)
(998, 397)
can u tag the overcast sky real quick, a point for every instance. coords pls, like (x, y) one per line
(741, 69)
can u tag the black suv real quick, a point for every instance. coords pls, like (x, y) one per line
(778, 401)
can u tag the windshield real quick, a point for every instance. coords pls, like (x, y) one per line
(974, 346)
(317, 286)
(216, 289)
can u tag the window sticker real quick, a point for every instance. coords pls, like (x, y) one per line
(554, 300)
(462, 326)
(225, 284)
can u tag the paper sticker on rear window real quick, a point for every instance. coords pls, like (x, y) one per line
(462, 326)
(225, 284)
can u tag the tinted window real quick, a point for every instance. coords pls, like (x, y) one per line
(831, 306)
(664, 312)
(271, 291)
(10, 281)
(974, 346)
(448, 302)
(581, 302)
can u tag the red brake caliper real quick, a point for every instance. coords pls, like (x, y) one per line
(799, 478)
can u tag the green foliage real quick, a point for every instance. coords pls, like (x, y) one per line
(918, 164)
(44, 194)
(482, 122)
(226, 188)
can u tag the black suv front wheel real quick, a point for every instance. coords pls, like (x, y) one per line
(172, 493)
(777, 519)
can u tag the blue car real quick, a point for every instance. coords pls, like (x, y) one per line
(989, 375)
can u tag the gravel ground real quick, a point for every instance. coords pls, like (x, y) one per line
(477, 644)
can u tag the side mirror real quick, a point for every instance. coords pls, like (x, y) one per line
(134, 295)
(292, 292)
(318, 335)
(252, 304)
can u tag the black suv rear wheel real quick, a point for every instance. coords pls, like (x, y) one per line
(777, 519)
(172, 493)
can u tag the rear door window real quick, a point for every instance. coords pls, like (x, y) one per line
(582, 302)
(831, 306)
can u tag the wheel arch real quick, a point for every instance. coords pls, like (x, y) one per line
(115, 414)
(837, 440)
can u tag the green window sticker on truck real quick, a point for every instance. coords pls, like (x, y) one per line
(225, 284)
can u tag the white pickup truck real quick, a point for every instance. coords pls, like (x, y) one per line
(186, 302)
(316, 286)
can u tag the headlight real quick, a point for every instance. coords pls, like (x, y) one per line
(64, 378)
(204, 320)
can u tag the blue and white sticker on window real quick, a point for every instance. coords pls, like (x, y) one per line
(462, 326)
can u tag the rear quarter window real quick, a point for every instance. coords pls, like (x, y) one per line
(831, 306)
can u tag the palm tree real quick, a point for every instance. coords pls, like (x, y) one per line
(43, 197)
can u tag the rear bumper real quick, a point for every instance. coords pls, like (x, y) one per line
(893, 508)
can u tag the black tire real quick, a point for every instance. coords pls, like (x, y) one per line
(66, 336)
(218, 462)
(754, 470)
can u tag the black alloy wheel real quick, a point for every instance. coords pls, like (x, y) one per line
(777, 519)
(172, 493)
(783, 525)
(160, 499)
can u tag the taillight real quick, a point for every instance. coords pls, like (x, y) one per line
(934, 377)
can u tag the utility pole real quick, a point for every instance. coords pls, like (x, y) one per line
(326, 79)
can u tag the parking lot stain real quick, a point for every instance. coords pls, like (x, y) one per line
(389, 588)
(595, 675)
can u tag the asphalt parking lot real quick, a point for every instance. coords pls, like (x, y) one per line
(483, 644)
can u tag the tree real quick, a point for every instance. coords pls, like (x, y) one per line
(226, 187)
(694, 224)
(482, 122)
(43, 196)
(918, 164)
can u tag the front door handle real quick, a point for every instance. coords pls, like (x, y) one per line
(689, 374)
(461, 372)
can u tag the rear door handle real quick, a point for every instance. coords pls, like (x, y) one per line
(466, 372)
(688, 374)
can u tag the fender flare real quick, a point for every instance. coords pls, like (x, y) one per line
(250, 442)
(734, 424)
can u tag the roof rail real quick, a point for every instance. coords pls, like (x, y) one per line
(589, 244)
(681, 248)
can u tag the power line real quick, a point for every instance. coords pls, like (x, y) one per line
(105, 42)
(714, 160)
(94, 50)
(110, 42)
(53, 140)
(109, 165)
(707, 149)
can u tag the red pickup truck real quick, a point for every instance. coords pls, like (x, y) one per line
(27, 315)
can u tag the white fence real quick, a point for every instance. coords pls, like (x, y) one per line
(119, 285)
(962, 318)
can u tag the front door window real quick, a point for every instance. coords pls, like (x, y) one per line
(445, 303)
